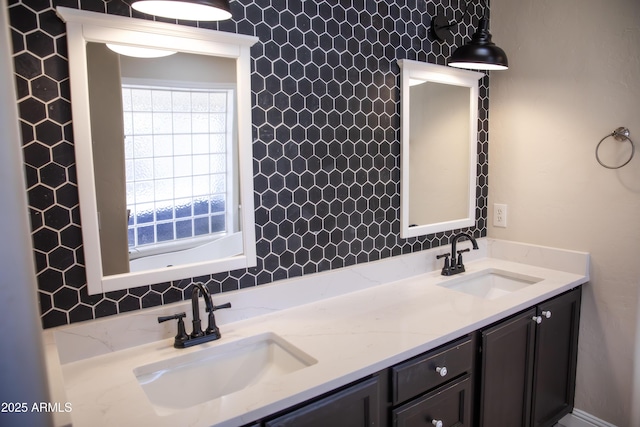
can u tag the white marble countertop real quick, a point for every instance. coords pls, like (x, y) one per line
(352, 327)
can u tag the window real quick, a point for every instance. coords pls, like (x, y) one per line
(179, 165)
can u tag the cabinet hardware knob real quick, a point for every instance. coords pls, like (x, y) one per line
(537, 319)
(437, 423)
(547, 314)
(442, 370)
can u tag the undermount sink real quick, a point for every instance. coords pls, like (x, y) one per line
(490, 284)
(201, 376)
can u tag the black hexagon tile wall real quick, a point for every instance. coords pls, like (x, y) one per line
(325, 96)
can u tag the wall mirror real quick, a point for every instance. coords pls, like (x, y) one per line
(163, 149)
(439, 135)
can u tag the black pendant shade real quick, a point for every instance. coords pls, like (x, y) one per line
(192, 10)
(480, 53)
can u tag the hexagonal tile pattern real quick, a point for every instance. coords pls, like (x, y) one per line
(326, 145)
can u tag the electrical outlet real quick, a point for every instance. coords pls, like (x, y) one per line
(499, 215)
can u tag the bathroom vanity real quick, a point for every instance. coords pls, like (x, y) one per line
(519, 371)
(386, 343)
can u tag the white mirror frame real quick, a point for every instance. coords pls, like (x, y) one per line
(444, 75)
(84, 27)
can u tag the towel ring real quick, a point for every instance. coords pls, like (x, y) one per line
(620, 134)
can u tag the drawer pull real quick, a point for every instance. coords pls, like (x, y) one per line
(437, 423)
(442, 371)
(537, 319)
(547, 314)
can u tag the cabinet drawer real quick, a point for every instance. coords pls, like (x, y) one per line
(450, 404)
(421, 374)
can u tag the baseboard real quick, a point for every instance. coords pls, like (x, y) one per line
(580, 418)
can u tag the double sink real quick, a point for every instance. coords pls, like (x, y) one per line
(204, 375)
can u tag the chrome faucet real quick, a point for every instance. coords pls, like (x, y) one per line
(197, 336)
(456, 266)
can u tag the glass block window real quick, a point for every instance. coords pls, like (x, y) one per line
(178, 154)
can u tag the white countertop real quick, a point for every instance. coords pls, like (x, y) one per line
(352, 327)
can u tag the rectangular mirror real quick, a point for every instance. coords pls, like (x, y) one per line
(163, 149)
(439, 148)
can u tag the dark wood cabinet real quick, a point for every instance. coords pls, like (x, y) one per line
(528, 363)
(519, 372)
(556, 355)
(447, 406)
(435, 388)
(432, 369)
(506, 371)
(360, 405)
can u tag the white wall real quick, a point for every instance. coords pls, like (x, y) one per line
(107, 138)
(181, 67)
(22, 371)
(574, 76)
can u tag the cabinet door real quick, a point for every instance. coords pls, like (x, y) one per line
(357, 406)
(506, 372)
(556, 353)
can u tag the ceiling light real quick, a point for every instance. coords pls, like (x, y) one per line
(139, 52)
(191, 10)
(416, 82)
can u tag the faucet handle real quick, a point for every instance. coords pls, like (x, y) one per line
(218, 307)
(212, 328)
(181, 336)
(459, 264)
(172, 317)
(446, 269)
(460, 252)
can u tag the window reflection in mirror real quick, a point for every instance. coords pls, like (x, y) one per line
(167, 125)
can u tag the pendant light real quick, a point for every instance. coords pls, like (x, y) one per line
(480, 53)
(191, 10)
